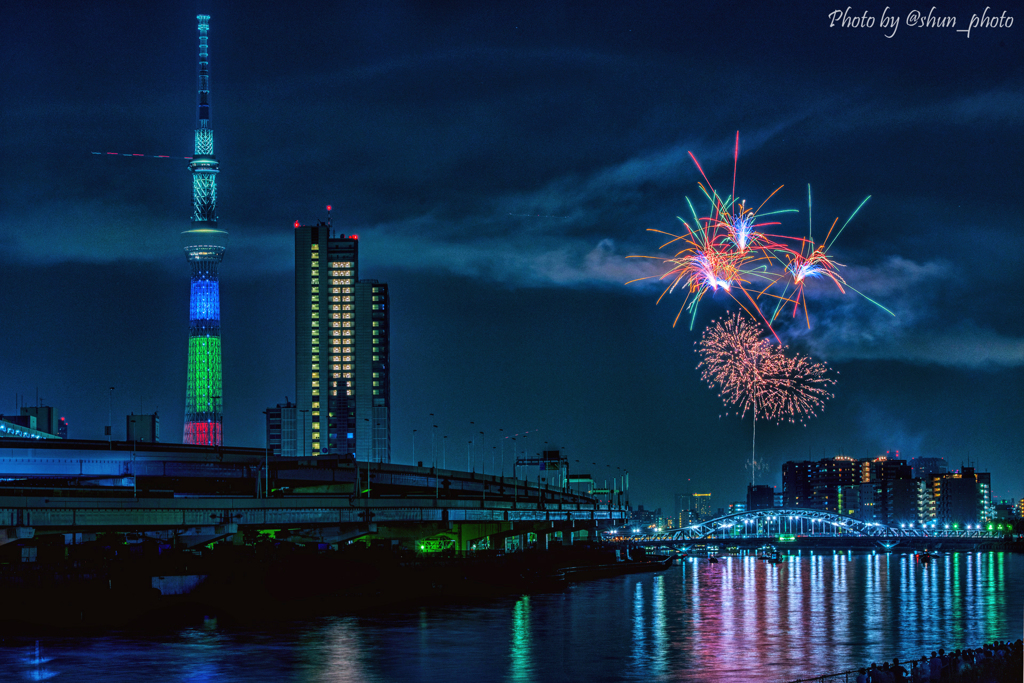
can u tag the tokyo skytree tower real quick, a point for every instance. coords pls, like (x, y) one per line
(204, 245)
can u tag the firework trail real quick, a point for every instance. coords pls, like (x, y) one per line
(753, 374)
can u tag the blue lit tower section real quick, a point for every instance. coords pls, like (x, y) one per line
(204, 248)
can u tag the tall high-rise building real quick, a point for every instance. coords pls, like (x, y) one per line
(827, 475)
(204, 245)
(342, 349)
(702, 505)
(797, 491)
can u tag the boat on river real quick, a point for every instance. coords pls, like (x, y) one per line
(656, 563)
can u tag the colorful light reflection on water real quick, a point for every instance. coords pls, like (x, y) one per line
(742, 619)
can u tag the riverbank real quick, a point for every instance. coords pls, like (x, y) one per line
(996, 662)
(272, 582)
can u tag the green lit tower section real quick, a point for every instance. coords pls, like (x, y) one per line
(204, 245)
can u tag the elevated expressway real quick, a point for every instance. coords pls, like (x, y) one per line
(196, 495)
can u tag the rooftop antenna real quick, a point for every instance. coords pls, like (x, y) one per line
(330, 230)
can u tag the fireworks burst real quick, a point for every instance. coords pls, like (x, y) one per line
(753, 374)
(728, 250)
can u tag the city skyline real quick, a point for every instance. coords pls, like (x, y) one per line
(499, 164)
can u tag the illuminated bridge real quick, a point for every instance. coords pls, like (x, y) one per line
(195, 495)
(808, 525)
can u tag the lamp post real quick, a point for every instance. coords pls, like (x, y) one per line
(135, 489)
(433, 449)
(266, 453)
(110, 418)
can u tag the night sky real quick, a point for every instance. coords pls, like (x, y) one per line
(499, 162)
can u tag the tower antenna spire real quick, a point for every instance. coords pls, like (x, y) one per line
(204, 245)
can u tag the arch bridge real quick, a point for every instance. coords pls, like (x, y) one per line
(796, 522)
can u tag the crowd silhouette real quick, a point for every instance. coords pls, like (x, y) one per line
(992, 663)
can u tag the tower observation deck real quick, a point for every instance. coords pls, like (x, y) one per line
(204, 245)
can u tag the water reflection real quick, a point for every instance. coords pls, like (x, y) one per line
(639, 658)
(743, 619)
(342, 654)
(520, 666)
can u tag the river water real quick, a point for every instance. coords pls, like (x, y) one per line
(740, 620)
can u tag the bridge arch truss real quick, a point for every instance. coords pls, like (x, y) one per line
(799, 522)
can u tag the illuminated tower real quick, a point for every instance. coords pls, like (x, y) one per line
(204, 248)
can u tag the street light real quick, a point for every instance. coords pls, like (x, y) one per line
(135, 489)
(110, 417)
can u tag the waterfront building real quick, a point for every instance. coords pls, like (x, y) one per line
(342, 349)
(281, 429)
(22, 427)
(1005, 510)
(906, 498)
(204, 245)
(142, 428)
(796, 484)
(849, 500)
(922, 468)
(760, 497)
(46, 418)
(682, 508)
(962, 497)
(826, 476)
(701, 506)
(884, 472)
(642, 516)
